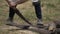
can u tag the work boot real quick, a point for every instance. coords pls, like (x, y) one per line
(40, 24)
(9, 22)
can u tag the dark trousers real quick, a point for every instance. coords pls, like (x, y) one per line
(37, 7)
(11, 13)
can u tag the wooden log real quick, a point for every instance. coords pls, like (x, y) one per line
(32, 28)
(40, 30)
(57, 22)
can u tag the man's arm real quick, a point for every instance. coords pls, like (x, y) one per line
(22, 1)
(16, 1)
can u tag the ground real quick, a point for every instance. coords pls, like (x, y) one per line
(50, 12)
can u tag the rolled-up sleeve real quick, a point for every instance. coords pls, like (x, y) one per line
(35, 0)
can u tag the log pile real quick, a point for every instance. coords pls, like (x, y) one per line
(51, 28)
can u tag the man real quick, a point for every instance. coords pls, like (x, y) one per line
(12, 10)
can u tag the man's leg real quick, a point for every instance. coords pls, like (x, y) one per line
(11, 14)
(37, 7)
